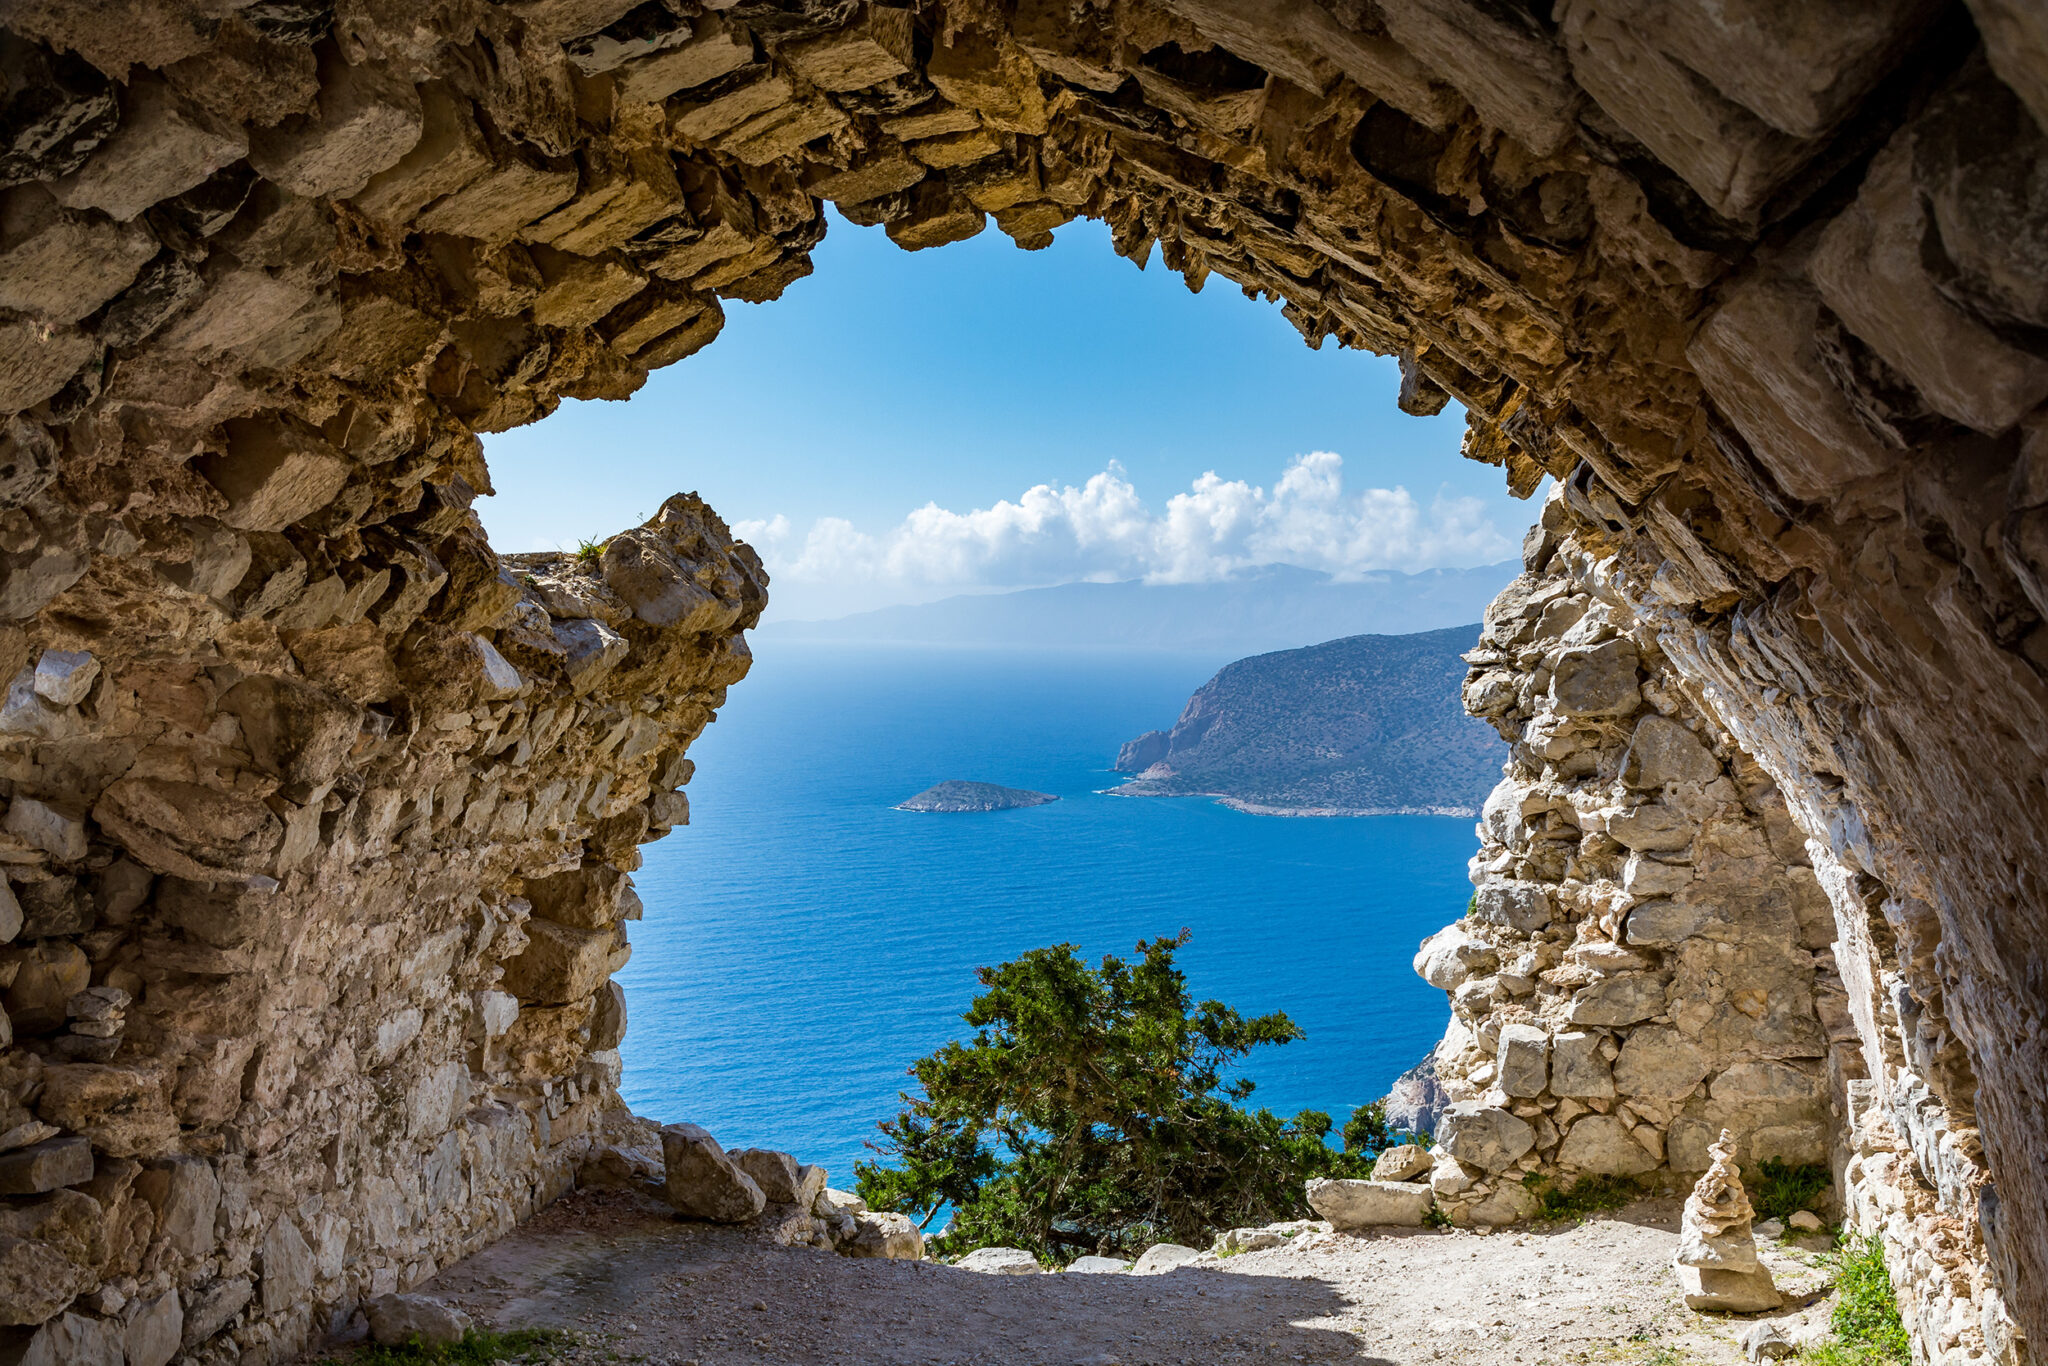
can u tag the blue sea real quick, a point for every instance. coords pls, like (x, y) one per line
(804, 943)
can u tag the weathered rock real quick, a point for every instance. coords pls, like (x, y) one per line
(1402, 1162)
(1163, 1257)
(396, 1320)
(1097, 1266)
(46, 1166)
(1351, 1204)
(891, 1236)
(1000, 1261)
(703, 1183)
(1484, 1136)
(1522, 1067)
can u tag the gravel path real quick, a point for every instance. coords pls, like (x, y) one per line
(638, 1285)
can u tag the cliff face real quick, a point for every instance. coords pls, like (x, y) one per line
(1761, 285)
(1363, 725)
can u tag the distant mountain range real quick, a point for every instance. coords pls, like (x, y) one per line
(1272, 608)
(1368, 725)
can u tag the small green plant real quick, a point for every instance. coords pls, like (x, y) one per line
(1868, 1330)
(1436, 1218)
(1587, 1194)
(590, 553)
(1780, 1190)
(478, 1348)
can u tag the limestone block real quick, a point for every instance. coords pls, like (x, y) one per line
(1499, 59)
(778, 134)
(1870, 269)
(1620, 1000)
(1662, 924)
(1448, 1177)
(1730, 1292)
(1451, 956)
(273, 472)
(10, 913)
(1161, 1258)
(1090, 1266)
(660, 589)
(64, 677)
(1521, 906)
(586, 897)
(1484, 1136)
(993, 78)
(163, 147)
(154, 1329)
(1601, 1144)
(42, 1167)
(1659, 1063)
(706, 120)
(212, 1306)
(702, 1182)
(74, 1340)
(1579, 1067)
(1645, 876)
(294, 729)
(367, 118)
(1007, 1261)
(1595, 680)
(1662, 751)
(591, 651)
(777, 1174)
(124, 1109)
(1351, 1204)
(1402, 1162)
(875, 48)
(890, 1236)
(2016, 42)
(1653, 828)
(639, 32)
(521, 187)
(496, 1010)
(48, 827)
(188, 830)
(59, 266)
(1733, 159)
(36, 360)
(956, 149)
(579, 290)
(869, 180)
(560, 964)
(399, 1319)
(620, 197)
(286, 1266)
(449, 153)
(715, 51)
(1758, 357)
(1522, 1066)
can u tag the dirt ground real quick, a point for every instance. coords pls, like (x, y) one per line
(636, 1284)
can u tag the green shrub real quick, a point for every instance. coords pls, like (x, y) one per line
(1779, 1190)
(1089, 1113)
(1868, 1330)
(477, 1348)
(1587, 1194)
(590, 554)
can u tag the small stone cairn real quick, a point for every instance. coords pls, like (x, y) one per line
(1716, 1259)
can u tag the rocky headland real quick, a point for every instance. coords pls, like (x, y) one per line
(1364, 726)
(956, 795)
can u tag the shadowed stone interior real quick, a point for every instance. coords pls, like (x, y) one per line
(320, 814)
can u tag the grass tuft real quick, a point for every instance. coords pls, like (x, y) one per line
(1868, 1330)
(1780, 1190)
(477, 1348)
(1587, 1194)
(590, 553)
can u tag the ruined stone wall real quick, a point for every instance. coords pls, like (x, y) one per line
(1655, 952)
(1761, 284)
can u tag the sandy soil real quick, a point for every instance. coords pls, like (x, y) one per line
(637, 1284)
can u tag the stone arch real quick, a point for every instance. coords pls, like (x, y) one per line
(318, 807)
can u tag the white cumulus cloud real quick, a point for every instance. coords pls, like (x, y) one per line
(1104, 530)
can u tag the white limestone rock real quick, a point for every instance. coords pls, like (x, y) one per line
(1000, 1261)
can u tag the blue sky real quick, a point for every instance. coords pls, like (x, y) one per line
(900, 426)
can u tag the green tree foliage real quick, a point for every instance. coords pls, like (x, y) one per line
(1090, 1113)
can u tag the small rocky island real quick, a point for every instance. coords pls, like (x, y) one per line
(955, 795)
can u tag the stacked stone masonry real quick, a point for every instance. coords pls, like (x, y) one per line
(319, 812)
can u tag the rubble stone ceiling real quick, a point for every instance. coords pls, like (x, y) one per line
(1763, 284)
